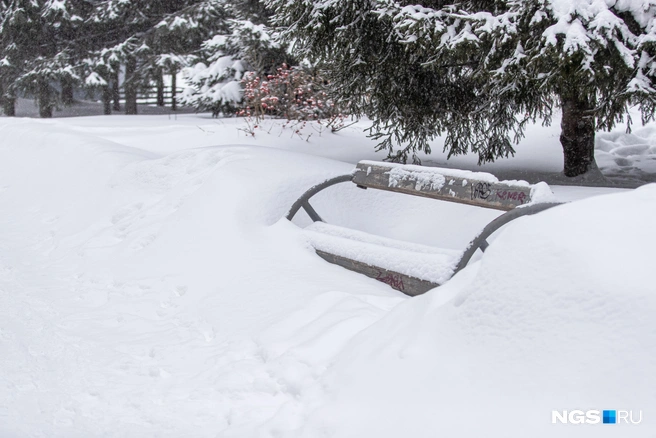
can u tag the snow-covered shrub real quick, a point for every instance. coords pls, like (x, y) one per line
(215, 81)
(248, 44)
(214, 86)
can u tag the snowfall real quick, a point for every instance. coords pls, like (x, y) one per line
(150, 286)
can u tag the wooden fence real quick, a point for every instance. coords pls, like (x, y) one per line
(148, 96)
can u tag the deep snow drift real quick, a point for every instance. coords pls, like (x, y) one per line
(150, 288)
(558, 316)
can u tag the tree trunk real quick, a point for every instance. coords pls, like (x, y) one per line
(44, 98)
(174, 85)
(9, 106)
(116, 95)
(130, 86)
(8, 102)
(577, 136)
(160, 87)
(67, 91)
(107, 100)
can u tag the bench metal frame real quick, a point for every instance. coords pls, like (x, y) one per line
(395, 280)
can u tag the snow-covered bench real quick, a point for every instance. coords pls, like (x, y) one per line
(412, 268)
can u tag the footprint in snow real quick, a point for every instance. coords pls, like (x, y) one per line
(180, 291)
(126, 212)
(50, 220)
(143, 242)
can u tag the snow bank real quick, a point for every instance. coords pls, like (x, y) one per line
(149, 287)
(156, 293)
(558, 315)
(628, 155)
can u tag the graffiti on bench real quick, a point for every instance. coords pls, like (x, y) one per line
(484, 191)
(393, 280)
(515, 196)
(481, 190)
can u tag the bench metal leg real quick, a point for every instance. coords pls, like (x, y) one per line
(302, 202)
(312, 212)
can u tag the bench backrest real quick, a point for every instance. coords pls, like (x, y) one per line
(461, 186)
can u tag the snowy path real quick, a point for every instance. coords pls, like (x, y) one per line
(158, 296)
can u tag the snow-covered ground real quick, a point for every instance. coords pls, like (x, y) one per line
(149, 287)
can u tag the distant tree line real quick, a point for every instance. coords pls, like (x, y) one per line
(48, 48)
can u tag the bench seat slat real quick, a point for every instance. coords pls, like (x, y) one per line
(432, 264)
(484, 191)
(404, 283)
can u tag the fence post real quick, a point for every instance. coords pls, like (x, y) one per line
(174, 81)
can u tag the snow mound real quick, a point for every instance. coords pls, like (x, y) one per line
(627, 154)
(558, 315)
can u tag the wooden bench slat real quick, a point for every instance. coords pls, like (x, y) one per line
(404, 283)
(430, 183)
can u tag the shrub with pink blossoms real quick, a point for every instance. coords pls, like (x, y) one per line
(291, 93)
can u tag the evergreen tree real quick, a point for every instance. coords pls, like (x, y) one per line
(252, 40)
(8, 70)
(50, 46)
(175, 39)
(101, 72)
(122, 29)
(37, 39)
(246, 42)
(479, 71)
(151, 39)
(19, 26)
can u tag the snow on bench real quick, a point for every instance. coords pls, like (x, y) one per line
(414, 269)
(462, 186)
(409, 267)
